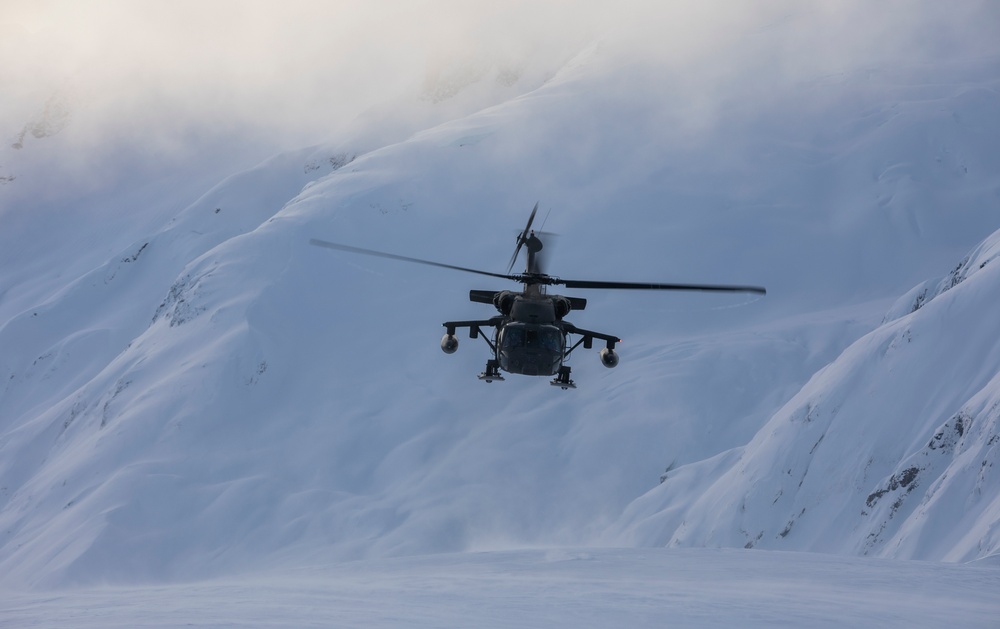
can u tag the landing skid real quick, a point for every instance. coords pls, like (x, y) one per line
(492, 372)
(562, 379)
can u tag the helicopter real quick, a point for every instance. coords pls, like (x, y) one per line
(530, 334)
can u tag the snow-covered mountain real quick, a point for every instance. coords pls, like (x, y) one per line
(188, 389)
(889, 450)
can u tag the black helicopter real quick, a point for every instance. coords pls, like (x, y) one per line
(531, 336)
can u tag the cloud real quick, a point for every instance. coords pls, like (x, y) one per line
(296, 69)
(290, 66)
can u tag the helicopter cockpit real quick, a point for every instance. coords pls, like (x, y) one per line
(531, 349)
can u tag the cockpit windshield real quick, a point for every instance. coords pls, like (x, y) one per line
(536, 337)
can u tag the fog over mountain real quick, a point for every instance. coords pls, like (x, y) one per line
(189, 391)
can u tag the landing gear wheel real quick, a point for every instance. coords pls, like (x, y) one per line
(492, 371)
(562, 379)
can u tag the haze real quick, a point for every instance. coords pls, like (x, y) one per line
(293, 70)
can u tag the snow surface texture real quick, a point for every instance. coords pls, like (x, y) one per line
(548, 588)
(193, 392)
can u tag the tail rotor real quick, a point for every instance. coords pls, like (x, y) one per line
(534, 244)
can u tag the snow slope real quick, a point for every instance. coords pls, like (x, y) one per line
(891, 449)
(193, 391)
(589, 587)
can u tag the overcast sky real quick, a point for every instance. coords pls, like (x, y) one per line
(293, 67)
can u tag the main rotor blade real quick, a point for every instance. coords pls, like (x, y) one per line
(381, 254)
(522, 238)
(718, 288)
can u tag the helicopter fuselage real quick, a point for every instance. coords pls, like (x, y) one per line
(531, 341)
(530, 337)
